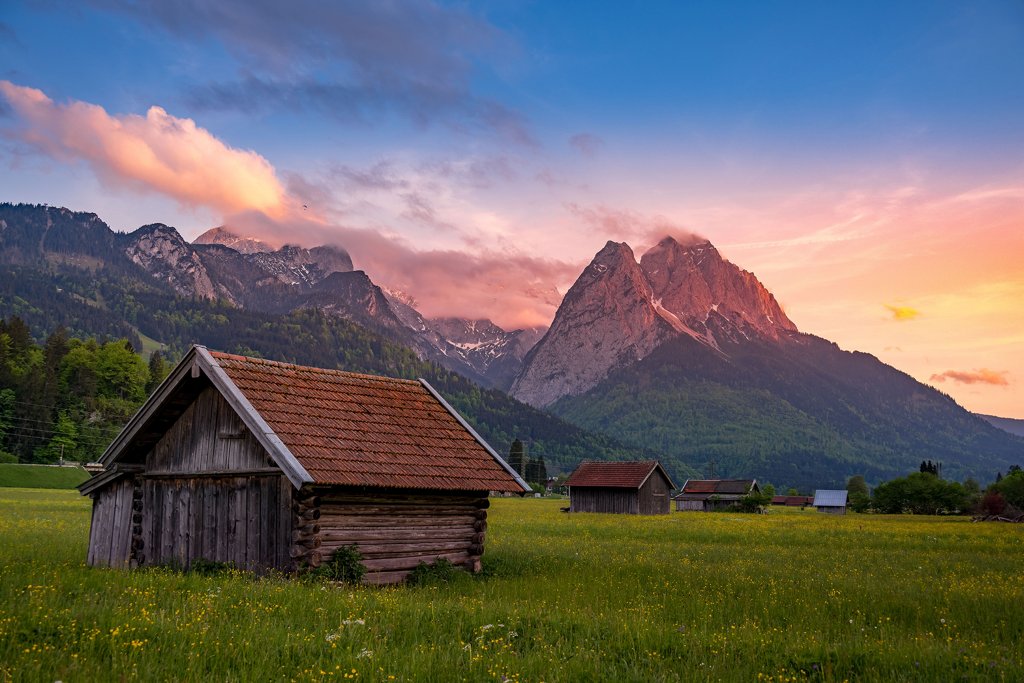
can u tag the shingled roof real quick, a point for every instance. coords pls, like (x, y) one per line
(699, 489)
(626, 475)
(332, 427)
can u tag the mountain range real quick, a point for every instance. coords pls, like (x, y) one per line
(679, 355)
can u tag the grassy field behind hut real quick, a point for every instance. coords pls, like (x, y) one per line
(40, 476)
(717, 597)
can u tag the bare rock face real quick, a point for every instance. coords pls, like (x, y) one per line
(223, 236)
(495, 354)
(709, 295)
(607, 319)
(619, 311)
(165, 255)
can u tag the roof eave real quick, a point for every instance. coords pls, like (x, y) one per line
(284, 458)
(479, 439)
(664, 472)
(141, 416)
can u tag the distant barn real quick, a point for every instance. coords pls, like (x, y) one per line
(792, 501)
(832, 502)
(638, 488)
(274, 466)
(708, 495)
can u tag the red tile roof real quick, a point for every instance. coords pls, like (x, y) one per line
(363, 430)
(627, 475)
(740, 486)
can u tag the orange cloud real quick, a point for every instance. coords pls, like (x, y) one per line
(156, 152)
(903, 313)
(982, 376)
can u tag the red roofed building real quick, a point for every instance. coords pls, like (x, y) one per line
(707, 495)
(275, 466)
(624, 487)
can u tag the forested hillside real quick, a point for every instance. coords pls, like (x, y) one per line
(804, 414)
(68, 396)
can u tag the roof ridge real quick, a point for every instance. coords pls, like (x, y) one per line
(221, 355)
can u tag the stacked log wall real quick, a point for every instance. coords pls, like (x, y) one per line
(396, 531)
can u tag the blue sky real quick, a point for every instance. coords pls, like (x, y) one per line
(853, 155)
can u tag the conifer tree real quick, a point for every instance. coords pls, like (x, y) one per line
(517, 457)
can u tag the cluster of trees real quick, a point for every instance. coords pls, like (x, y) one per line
(926, 492)
(1006, 495)
(533, 470)
(67, 398)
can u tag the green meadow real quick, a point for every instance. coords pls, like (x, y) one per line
(40, 476)
(789, 596)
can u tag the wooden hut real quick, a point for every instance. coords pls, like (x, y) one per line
(793, 501)
(708, 495)
(830, 501)
(637, 488)
(275, 466)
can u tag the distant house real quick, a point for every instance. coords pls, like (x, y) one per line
(832, 502)
(708, 495)
(792, 501)
(275, 466)
(637, 488)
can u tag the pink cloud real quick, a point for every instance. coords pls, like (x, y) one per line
(156, 152)
(640, 230)
(981, 376)
(511, 289)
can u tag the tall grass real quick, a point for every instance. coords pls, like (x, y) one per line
(717, 597)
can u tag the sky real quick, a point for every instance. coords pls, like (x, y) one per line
(865, 160)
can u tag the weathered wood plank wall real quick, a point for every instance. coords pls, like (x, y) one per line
(211, 491)
(244, 520)
(593, 499)
(653, 495)
(110, 533)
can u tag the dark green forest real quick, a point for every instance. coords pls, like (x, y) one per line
(804, 414)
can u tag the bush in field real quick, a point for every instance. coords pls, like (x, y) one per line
(346, 566)
(441, 571)
(992, 503)
(205, 567)
(752, 502)
(920, 493)
(1011, 487)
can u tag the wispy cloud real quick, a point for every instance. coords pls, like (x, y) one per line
(352, 61)
(157, 152)
(980, 376)
(586, 144)
(174, 157)
(902, 313)
(641, 230)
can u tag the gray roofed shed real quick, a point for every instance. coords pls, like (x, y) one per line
(830, 501)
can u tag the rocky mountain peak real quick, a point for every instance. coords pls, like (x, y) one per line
(243, 245)
(708, 293)
(618, 311)
(607, 319)
(164, 253)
